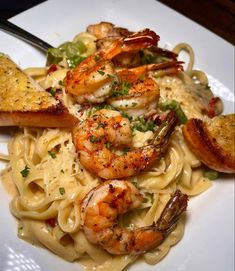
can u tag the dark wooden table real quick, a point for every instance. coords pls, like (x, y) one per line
(216, 15)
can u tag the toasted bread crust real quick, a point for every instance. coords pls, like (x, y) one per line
(208, 148)
(23, 102)
(52, 117)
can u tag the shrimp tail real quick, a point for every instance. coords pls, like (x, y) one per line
(144, 38)
(164, 132)
(172, 211)
(167, 68)
(150, 237)
(160, 69)
(167, 64)
(139, 40)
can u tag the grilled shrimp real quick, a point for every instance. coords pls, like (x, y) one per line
(102, 206)
(99, 136)
(93, 79)
(106, 33)
(213, 141)
(141, 97)
(107, 30)
(142, 91)
(97, 71)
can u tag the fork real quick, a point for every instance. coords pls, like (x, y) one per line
(20, 33)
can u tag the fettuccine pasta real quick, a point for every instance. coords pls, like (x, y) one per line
(51, 182)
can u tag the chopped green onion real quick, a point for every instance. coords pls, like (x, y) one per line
(52, 154)
(25, 171)
(174, 106)
(74, 61)
(70, 51)
(54, 56)
(62, 190)
(211, 174)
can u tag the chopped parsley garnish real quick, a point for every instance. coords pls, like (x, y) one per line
(62, 190)
(121, 90)
(143, 125)
(95, 108)
(95, 139)
(96, 58)
(141, 77)
(52, 154)
(135, 184)
(52, 91)
(61, 83)
(108, 145)
(25, 171)
(101, 72)
(134, 104)
(101, 125)
(125, 115)
(126, 150)
(110, 75)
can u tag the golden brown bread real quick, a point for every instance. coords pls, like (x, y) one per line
(23, 102)
(213, 141)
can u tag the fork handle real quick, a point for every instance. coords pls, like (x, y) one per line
(23, 35)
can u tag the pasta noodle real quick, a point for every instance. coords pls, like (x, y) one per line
(47, 203)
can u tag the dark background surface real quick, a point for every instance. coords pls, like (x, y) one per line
(216, 15)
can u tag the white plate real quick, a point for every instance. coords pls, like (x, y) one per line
(208, 243)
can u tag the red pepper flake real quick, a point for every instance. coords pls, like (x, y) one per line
(52, 222)
(212, 106)
(52, 68)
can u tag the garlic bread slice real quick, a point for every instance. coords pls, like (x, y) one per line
(213, 141)
(23, 102)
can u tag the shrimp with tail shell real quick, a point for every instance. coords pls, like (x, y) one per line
(92, 80)
(97, 137)
(86, 77)
(101, 207)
